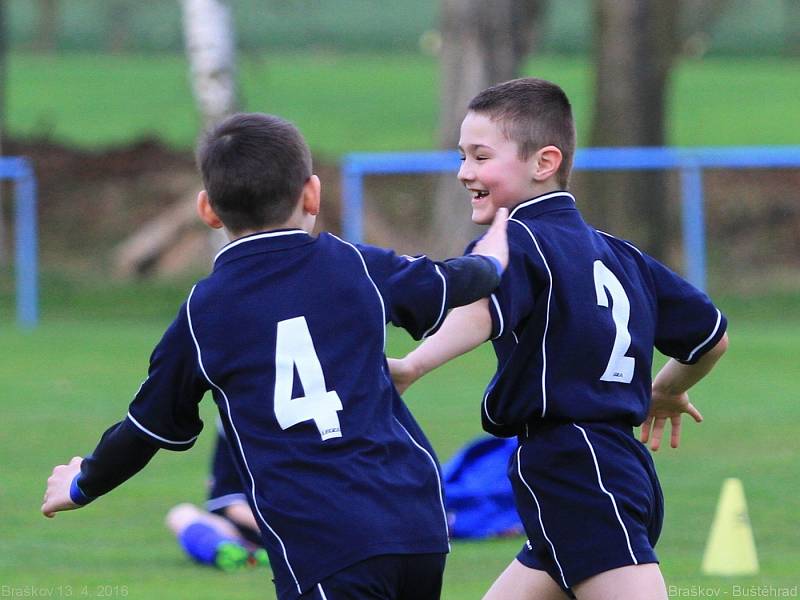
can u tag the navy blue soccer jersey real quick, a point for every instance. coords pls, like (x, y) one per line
(288, 334)
(575, 320)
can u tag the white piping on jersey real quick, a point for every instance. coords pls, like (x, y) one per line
(223, 501)
(158, 437)
(609, 494)
(541, 523)
(259, 236)
(321, 592)
(613, 237)
(238, 441)
(705, 341)
(547, 320)
(486, 409)
(377, 291)
(443, 309)
(413, 258)
(502, 326)
(499, 315)
(436, 472)
(540, 199)
(383, 324)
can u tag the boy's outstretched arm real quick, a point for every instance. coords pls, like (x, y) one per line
(670, 398)
(119, 455)
(465, 328)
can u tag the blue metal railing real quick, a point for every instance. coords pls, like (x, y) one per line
(26, 240)
(690, 162)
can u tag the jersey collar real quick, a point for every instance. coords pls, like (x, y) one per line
(542, 204)
(262, 242)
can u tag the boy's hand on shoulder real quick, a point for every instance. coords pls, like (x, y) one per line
(403, 373)
(495, 242)
(663, 406)
(57, 496)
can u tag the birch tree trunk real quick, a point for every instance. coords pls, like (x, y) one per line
(483, 43)
(211, 50)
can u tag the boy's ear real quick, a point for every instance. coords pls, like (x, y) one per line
(206, 212)
(546, 163)
(311, 195)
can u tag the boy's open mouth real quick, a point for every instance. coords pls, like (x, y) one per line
(478, 194)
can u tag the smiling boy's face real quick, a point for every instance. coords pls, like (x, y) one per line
(491, 169)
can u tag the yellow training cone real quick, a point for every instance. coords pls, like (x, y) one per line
(731, 549)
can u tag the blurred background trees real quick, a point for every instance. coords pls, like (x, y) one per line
(322, 64)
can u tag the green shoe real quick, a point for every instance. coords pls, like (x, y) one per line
(258, 558)
(231, 556)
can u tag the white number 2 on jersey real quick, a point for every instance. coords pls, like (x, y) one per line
(620, 367)
(295, 349)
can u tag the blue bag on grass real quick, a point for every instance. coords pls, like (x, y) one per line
(478, 496)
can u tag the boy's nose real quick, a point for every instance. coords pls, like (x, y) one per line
(465, 172)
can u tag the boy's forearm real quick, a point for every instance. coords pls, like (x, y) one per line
(119, 455)
(464, 328)
(676, 378)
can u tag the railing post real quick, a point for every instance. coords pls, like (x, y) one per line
(694, 243)
(26, 247)
(352, 202)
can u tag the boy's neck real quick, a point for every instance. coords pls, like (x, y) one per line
(540, 190)
(298, 220)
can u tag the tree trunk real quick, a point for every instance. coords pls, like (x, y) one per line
(791, 23)
(119, 25)
(211, 49)
(483, 43)
(3, 80)
(47, 26)
(635, 45)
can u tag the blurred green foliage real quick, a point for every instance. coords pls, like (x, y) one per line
(744, 27)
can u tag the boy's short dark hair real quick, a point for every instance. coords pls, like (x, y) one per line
(254, 167)
(534, 113)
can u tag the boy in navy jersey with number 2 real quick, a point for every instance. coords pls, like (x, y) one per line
(573, 324)
(288, 334)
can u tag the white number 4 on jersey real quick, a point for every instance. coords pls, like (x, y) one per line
(295, 349)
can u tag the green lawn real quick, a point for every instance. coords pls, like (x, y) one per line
(64, 382)
(347, 102)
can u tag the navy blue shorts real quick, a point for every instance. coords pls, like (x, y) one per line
(589, 499)
(384, 577)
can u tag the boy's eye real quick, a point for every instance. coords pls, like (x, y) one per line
(462, 158)
(481, 157)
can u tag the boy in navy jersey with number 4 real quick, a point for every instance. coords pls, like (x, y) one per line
(288, 334)
(573, 324)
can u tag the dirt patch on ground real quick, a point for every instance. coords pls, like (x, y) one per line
(90, 202)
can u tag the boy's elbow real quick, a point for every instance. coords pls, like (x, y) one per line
(722, 346)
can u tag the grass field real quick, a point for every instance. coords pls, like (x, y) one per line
(66, 381)
(346, 102)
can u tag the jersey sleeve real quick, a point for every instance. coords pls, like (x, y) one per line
(165, 410)
(414, 289)
(689, 325)
(513, 300)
